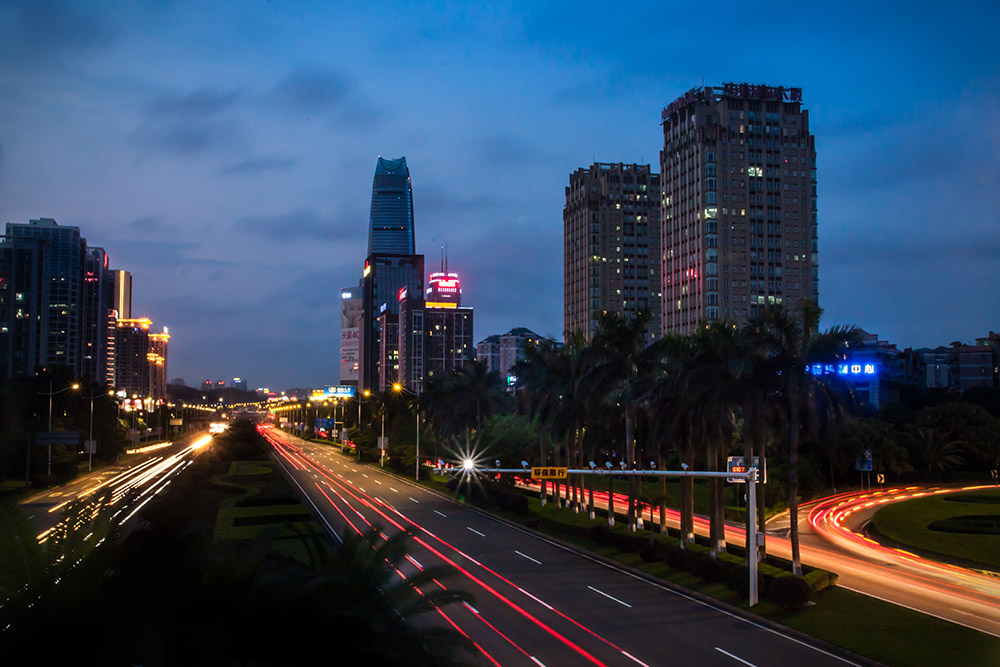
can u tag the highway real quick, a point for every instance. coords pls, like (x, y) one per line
(536, 602)
(132, 484)
(830, 538)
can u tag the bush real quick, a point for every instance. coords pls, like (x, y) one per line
(651, 553)
(789, 592)
(706, 568)
(600, 534)
(738, 580)
(820, 579)
(627, 543)
(676, 557)
(519, 503)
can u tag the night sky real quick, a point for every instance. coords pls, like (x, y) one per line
(224, 152)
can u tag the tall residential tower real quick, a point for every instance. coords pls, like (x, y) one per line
(611, 237)
(738, 204)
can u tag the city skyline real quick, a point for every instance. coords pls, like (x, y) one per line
(234, 183)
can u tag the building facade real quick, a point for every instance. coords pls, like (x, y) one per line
(65, 251)
(98, 294)
(500, 352)
(391, 217)
(611, 252)
(384, 276)
(738, 204)
(24, 301)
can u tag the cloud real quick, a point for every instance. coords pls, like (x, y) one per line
(146, 225)
(259, 165)
(297, 224)
(42, 31)
(162, 255)
(188, 124)
(312, 90)
(201, 103)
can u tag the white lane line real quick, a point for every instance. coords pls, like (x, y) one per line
(547, 606)
(393, 490)
(536, 660)
(476, 532)
(735, 657)
(441, 513)
(471, 608)
(969, 613)
(414, 500)
(354, 469)
(377, 482)
(362, 489)
(364, 475)
(414, 561)
(629, 655)
(626, 604)
(537, 562)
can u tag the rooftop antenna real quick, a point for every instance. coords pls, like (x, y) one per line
(446, 258)
(442, 259)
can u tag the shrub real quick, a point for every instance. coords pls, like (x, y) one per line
(738, 580)
(676, 557)
(519, 503)
(650, 553)
(789, 591)
(706, 568)
(600, 534)
(626, 543)
(820, 579)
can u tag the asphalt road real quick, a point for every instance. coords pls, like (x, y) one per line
(536, 602)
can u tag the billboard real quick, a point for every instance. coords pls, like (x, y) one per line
(351, 315)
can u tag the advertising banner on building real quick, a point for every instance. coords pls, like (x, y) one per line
(351, 313)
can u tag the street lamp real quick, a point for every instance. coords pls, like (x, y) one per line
(416, 409)
(90, 441)
(50, 394)
(367, 393)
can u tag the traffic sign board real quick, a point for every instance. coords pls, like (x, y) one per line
(50, 438)
(548, 473)
(993, 473)
(737, 464)
(864, 462)
(880, 478)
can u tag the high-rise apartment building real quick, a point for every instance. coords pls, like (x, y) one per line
(123, 294)
(24, 311)
(391, 215)
(738, 181)
(98, 289)
(65, 250)
(435, 332)
(500, 352)
(141, 359)
(157, 357)
(611, 225)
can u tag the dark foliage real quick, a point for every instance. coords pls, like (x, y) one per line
(789, 592)
(706, 568)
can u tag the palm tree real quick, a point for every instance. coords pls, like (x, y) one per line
(931, 452)
(789, 342)
(619, 369)
(458, 405)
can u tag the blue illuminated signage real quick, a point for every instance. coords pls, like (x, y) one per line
(339, 391)
(844, 369)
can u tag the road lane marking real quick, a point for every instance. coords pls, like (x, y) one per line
(476, 531)
(414, 500)
(364, 475)
(414, 561)
(362, 489)
(625, 604)
(471, 608)
(441, 513)
(977, 616)
(537, 661)
(632, 657)
(528, 557)
(735, 657)
(393, 490)
(377, 482)
(541, 602)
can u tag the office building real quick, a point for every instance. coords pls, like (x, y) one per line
(500, 352)
(123, 293)
(388, 367)
(131, 356)
(24, 301)
(157, 357)
(739, 213)
(611, 246)
(435, 332)
(977, 365)
(391, 231)
(65, 250)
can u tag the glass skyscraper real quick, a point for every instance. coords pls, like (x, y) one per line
(391, 230)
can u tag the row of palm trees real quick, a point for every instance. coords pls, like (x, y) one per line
(689, 399)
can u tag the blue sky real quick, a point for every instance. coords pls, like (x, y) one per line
(224, 152)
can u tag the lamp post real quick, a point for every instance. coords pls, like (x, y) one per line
(90, 442)
(50, 394)
(416, 409)
(367, 393)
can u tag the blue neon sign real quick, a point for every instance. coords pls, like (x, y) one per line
(844, 369)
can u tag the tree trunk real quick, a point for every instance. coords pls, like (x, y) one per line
(793, 469)
(713, 501)
(629, 464)
(720, 502)
(590, 501)
(611, 500)
(541, 462)
(687, 500)
(663, 495)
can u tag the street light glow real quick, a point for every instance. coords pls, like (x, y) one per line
(468, 464)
